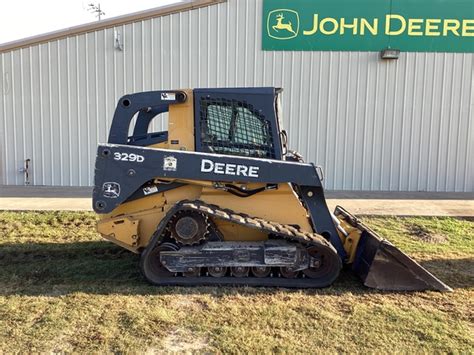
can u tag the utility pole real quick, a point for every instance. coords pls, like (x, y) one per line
(93, 8)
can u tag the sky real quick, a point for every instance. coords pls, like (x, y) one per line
(24, 18)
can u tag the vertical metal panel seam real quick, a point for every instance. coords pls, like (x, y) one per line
(431, 124)
(364, 137)
(246, 3)
(143, 55)
(346, 125)
(394, 113)
(328, 110)
(448, 131)
(291, 70)
(199, 48)
(468, 172)
(335, 144)
(106, 82)
(60, 138)
(50, 106)
(78, 114)
(402, 126)
(180, 39)
(41, 114)
(152, 53)
(114, 68)
(273, 69)
(97, 103)
(412, 119)
(170, 52)
(318, 112)
(457, 154)
(22, 113)
(33, 121)
(124, 62)
(339, 145)
(133, 67)
(372, 170)
(15, 129)
(190, 55)
(23, 90)
(384, 126)
(209, 42)
(69, 108)
(356, 110)
(218, 44)
(88, 122)
(4, 118)
(300, 103)
(161, 53)
(236, 42)
(227, 46)
(282, 71)
(348, 118)
(421, 145)
(441, 115)
(310, 105)
(255, 49)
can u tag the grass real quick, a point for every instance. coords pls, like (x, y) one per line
(62, 288)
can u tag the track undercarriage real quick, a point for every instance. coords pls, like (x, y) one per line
(188, 249)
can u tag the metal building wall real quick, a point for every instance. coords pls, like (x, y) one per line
(403, 125)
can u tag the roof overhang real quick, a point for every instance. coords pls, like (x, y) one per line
(109, 23)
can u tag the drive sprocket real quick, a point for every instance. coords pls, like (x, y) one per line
(188, 227)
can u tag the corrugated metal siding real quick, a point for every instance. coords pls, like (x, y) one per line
(403, 125)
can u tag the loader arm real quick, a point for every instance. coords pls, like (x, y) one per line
(131, 167)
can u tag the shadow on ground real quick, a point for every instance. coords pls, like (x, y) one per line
(55, 269)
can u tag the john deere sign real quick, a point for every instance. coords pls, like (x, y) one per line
(369, 25)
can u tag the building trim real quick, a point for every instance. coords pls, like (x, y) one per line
(112, 22)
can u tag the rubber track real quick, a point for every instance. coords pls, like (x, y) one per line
(288, 232)
(284, 231)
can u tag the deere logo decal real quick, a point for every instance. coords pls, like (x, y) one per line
(283, 24)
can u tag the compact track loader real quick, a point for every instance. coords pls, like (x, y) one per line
(219, 199)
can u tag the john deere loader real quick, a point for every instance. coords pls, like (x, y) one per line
(219, 199)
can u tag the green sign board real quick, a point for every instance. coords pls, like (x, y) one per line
(368, 25)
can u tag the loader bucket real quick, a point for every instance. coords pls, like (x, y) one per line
(383, 266)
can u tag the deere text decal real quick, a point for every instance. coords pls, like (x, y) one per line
(369, 25)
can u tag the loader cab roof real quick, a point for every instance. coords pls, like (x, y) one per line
(265, 90)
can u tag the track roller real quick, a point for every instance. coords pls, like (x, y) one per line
(239, 271)
(217, 271)
(288, 273)
(192, 272)
(261, 271)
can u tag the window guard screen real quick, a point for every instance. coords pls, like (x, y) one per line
(233, 127)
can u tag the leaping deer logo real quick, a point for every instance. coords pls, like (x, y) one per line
(283, 26)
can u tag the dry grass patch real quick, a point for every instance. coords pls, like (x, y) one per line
(62, 288)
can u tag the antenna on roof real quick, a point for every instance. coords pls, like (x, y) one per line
(95, 9)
